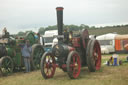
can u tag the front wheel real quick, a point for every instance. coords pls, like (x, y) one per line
(47, 65)
(73, 65)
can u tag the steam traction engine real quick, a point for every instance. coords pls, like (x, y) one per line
(10, 52)
(70, 57)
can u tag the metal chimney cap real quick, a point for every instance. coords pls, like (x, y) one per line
(59, 8)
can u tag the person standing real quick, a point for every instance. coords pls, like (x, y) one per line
(26, 53)
(66, 36)
(5, 34)
(70, 36)
(4, 31)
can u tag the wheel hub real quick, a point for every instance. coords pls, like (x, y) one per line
(75, 66)
(95, 56)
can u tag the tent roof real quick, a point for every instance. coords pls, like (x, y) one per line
(109, 36)
(121, 37)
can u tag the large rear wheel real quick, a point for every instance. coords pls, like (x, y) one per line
(37, 52)
(73, 65)
(48, 65)
(94, 56)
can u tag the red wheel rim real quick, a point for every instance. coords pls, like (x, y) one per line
(75, 65)
(97, 55)
(49, 66)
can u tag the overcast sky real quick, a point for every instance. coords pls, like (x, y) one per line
(22, 15)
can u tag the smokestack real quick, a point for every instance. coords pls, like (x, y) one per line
(60, 20)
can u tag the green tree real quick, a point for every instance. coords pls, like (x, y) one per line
(83, 26)
(21, 33)
(41, 30)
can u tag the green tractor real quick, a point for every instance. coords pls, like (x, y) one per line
(10, 52)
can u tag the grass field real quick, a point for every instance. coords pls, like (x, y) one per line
(105, 30)
(108, 75)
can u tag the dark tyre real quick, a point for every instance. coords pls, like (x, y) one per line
(37, 52)
(93, 55)
(6, 65)
(47, 65)
(88, 49)
(73, 65)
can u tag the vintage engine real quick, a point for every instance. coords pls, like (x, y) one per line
(71, 55)
(61, 50)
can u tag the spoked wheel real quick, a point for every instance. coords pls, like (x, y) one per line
(94, 56)
(48, 65)
(37, 52)
(73, 65)
(6, 65)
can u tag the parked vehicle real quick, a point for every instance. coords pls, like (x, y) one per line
(10, 52)
(48, 39)
(111, 43)
(121, 42)
(107, 43)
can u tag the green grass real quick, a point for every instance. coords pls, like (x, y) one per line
(107, 75)
(101, 31)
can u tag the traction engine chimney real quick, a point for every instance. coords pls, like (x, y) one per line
(60, 22)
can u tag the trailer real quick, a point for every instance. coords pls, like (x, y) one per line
(121, 42)
(107, 43)
(112, 43)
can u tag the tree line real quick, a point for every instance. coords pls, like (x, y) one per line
(77, 28)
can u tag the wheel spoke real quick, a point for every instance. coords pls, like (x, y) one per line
(8, 69)
(8, 63)
(75, 66)
(73, 59)
(47, 71)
